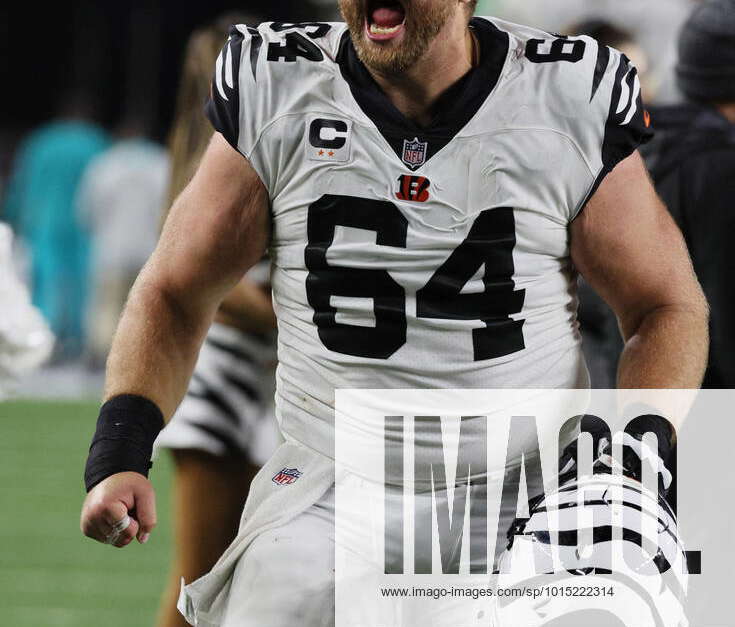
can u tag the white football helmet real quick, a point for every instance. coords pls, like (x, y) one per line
(603, 551)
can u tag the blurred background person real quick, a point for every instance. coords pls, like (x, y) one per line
(41, 207)
(225, 427)
(621, 39)
(653, 24)
(692, 162)
(119, 202)
(25, 339)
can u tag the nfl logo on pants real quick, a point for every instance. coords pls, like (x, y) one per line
(414, 152)
(286, 476)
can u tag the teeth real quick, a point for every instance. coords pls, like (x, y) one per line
(384, 30)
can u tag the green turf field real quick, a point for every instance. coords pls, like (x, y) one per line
(50, 575)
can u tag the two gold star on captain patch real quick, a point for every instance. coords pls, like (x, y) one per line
(328, 139)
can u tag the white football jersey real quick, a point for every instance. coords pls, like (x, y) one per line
(412, 257)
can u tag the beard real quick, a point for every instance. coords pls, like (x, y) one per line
(422, 25)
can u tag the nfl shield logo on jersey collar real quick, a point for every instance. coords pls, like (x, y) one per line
(414, 152)
(286, 476)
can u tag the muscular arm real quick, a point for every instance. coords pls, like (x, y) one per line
(216, 230)
(628, 248)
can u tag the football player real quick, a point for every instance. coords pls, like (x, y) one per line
(428, 184)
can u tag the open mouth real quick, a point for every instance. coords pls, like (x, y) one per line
(385, 19)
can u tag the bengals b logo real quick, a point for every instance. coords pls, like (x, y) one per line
(413, 188)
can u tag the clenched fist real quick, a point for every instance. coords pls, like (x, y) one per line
(120, 508)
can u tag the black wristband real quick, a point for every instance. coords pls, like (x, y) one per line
(126, 429)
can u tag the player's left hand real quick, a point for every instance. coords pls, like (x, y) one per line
(119, 509)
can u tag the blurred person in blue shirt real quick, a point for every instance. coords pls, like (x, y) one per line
(119, 201)
(40, 206)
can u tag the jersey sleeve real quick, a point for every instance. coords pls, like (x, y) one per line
(229, 107)
(621, 121)
(264, 79)
(628, 123)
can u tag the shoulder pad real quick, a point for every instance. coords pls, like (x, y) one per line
(260, 69)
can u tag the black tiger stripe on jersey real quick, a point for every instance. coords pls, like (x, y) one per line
(630, 128)
(232, 448)
(235, 351)
(603, 60)
(246, 388)
(622, 138)
(223, 108)
(214, 397)
(256, 41)
(626, 75)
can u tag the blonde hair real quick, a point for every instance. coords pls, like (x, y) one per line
(191, 131)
